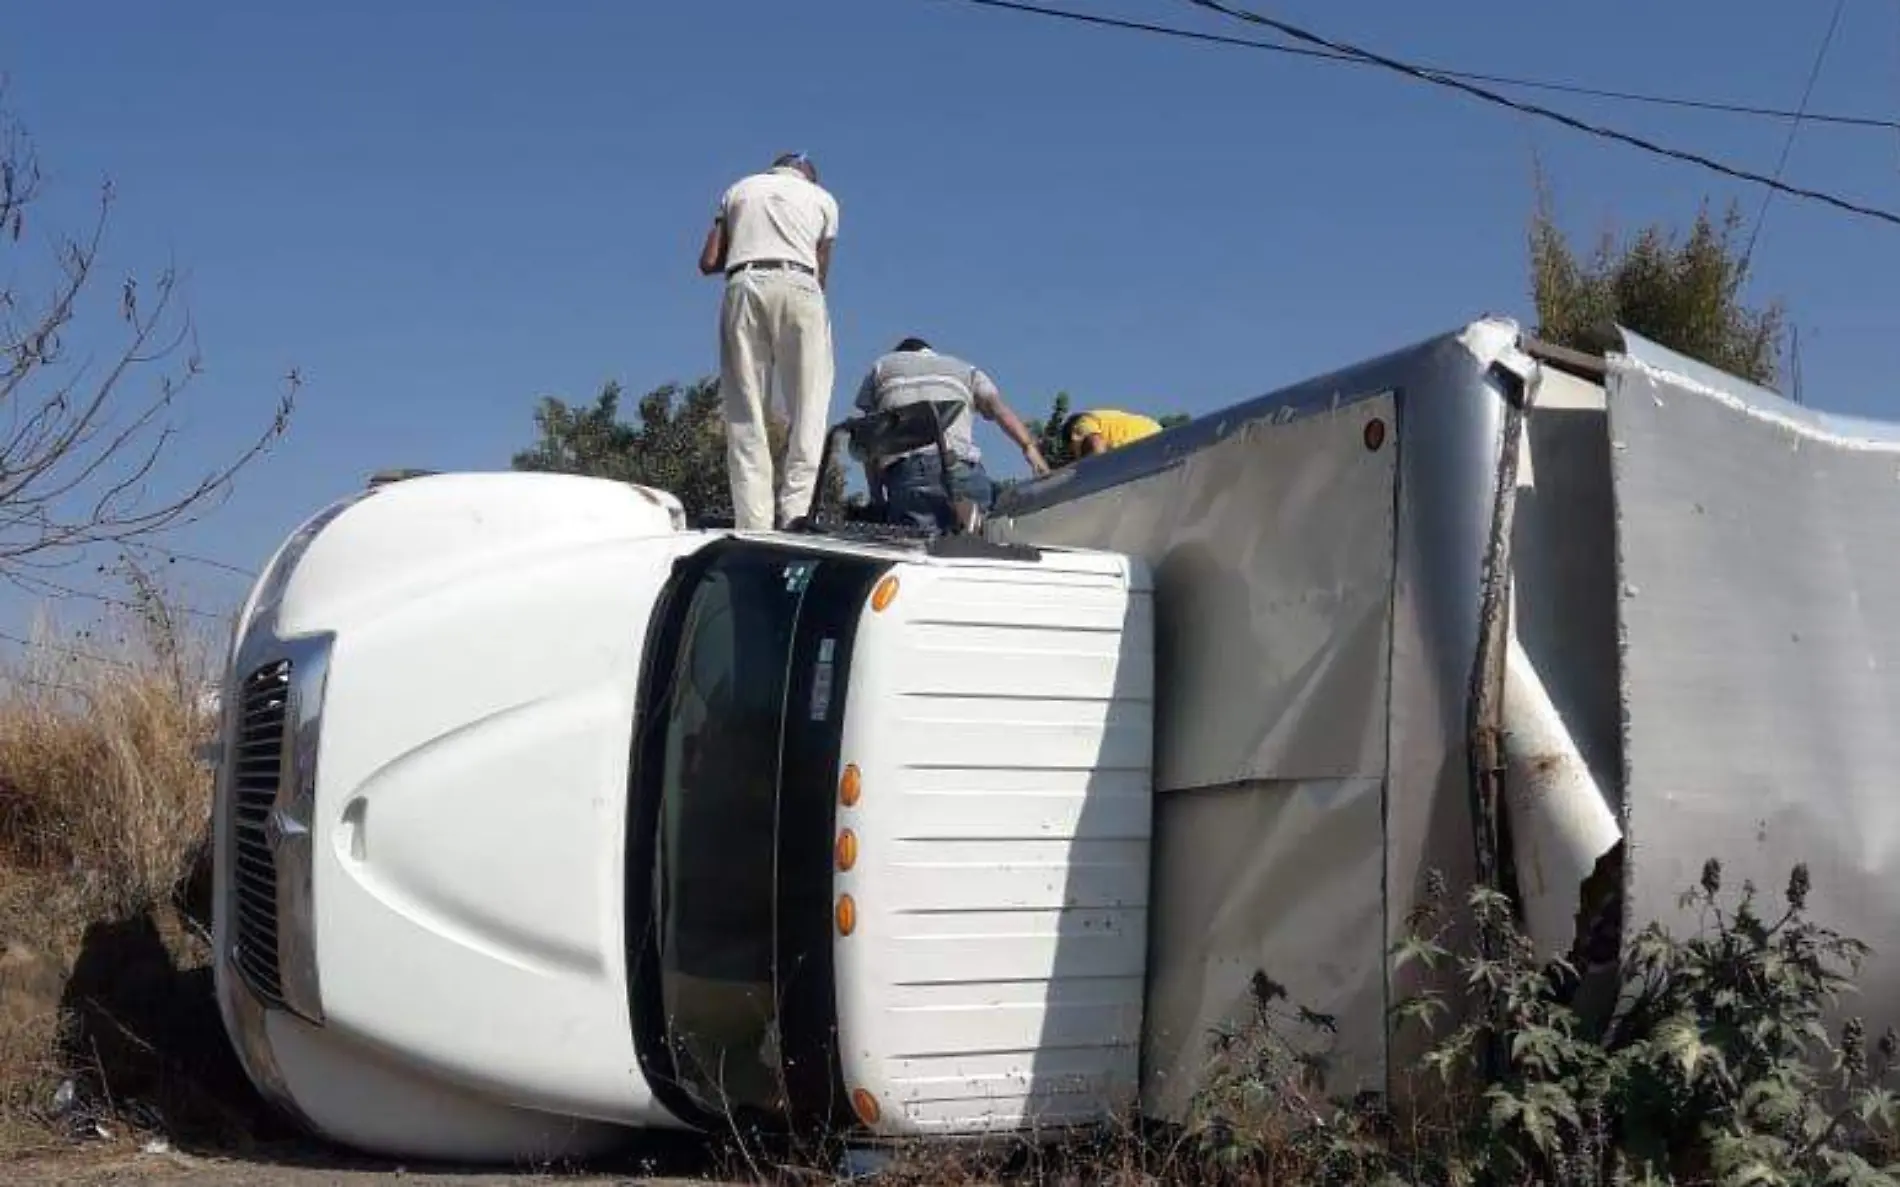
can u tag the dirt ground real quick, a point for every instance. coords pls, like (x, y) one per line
(179, 1170)
(308, 1163)
(115, 1164)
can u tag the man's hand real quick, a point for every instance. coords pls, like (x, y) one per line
(989, 403)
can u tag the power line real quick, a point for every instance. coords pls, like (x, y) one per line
(1505, 80)
(1569, 121)
(1794, 129)
(45, 588)
(63, 649)
(32, 682)
(175, 554)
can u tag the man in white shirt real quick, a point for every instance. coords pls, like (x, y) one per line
(771, 239)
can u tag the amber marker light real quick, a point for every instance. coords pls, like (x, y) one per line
(850, 787)
(885, 593)
(847, 849)
(847, 915)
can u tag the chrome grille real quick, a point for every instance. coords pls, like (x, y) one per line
(257, 760)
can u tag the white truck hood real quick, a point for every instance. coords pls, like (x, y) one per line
(469, 830)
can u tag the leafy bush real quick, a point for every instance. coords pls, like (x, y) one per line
(1684, 291)
(1716, 1065)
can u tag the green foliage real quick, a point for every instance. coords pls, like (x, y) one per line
(1715, 1067)
(1049, 436)
(1684, 292)
(678, 444)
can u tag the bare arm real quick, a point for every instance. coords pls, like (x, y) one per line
(712, 255)
(990, 404)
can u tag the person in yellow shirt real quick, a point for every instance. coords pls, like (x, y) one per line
(1102, 429)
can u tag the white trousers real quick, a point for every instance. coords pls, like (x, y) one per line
(774, 326)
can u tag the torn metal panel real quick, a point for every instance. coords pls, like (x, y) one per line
(1561, 821)
(1562, 714)
(1563, 566)
(1761, 664)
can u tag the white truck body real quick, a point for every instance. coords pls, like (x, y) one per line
(1477, 607)
(433, 941)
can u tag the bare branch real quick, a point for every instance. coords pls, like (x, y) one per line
(84, 439)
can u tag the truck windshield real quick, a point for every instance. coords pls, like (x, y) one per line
(736, 766)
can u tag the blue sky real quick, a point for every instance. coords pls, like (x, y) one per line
(438, 212)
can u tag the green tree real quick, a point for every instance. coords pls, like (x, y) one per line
(1048, 433)
(1683, 291)
(677, 444)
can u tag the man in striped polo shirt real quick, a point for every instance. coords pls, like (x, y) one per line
(913, 486)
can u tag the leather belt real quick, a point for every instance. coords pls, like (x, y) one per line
(770, 266)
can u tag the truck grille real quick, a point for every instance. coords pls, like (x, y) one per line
(257, 759)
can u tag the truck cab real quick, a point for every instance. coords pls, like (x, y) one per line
(541, 817)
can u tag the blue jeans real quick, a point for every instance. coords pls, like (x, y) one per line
(913, 490)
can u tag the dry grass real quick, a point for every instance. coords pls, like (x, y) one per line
(101, 782)
(104, 808)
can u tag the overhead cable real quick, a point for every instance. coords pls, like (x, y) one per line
(69, 652)
(1421, 74)
(1794, 129)
(41, 587)
(1505, 80)
(193, 558)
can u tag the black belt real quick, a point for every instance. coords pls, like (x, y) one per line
(926, 453)
(770, 266)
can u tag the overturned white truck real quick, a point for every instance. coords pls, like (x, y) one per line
(541, 817)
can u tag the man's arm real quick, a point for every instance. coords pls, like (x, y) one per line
(989, 402)
(827, 236)
(712, 255)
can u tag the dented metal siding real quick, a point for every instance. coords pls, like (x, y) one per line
(1758, 593)
(1318, 615)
